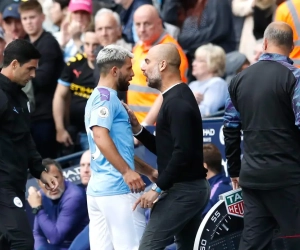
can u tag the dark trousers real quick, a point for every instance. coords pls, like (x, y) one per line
(177, 213)
(44, 136)
(15, 231)
(267, 211)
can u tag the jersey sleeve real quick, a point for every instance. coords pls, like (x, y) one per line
(104, 108)
(66, 77)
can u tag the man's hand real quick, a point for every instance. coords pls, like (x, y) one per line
(147, 200)
(235, 183)
(34, 197)
(49, 181)
(62, 136)
(134, 181)
(136, 126)
(154, 175)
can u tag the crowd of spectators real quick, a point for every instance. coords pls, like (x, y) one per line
(214, 47)
(69, 34)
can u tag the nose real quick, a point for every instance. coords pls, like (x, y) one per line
(143, 66)
(32, 74)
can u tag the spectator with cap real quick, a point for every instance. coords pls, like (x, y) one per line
(235, 63)
(12, 23)
(79, 19)
(2, 46)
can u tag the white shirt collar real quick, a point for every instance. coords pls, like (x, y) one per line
(170, 88)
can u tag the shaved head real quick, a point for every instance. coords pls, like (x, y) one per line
(162, 62)
(167, 52)
(146, 10)
(148, 24)
(279, 34)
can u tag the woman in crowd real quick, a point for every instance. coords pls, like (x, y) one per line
(209, 88)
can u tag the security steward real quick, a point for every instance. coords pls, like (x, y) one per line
(17, 149)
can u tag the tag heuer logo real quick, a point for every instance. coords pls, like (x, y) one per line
(234, 203)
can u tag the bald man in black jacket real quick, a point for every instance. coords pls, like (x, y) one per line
(181, 185)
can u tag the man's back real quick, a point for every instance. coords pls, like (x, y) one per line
(263, 95)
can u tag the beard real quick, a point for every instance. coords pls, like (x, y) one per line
(122, 83)
(154, 81)
(55, 196)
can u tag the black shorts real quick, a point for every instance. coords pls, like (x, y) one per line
(15, 230)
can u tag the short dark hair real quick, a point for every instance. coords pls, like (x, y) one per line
(63, 3)
(212, 157)
(31, 5)
(20, 50)
(48, 162)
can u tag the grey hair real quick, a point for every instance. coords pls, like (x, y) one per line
(280, 37)
(110, 56)
(104, 11)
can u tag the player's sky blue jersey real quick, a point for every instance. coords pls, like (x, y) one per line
(104, 109)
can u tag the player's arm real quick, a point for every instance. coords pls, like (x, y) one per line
(151, 117)
(60, 105)
(101, 121)
(39, 238)
(145, 169)
(108, 149)
(232, 137)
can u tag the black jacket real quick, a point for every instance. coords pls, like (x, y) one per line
(178, 143)
(17, 149)
(265, 103)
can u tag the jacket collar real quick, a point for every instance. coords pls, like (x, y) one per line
(275, 57)
(8, 85)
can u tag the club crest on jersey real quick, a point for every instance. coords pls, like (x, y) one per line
(234, 202)
(103, 112)
(18, 202)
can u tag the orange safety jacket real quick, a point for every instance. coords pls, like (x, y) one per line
(289, 12)
(140, 97)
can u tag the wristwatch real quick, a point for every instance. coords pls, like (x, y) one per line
(156, 188)
(35, 210)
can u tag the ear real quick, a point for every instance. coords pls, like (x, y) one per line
(265, 44)
(292, 48)
(162, 65)
(43, 17)
(119, 32)
(65, 11)
(14, 64)
(114, 71)
(205, 165)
